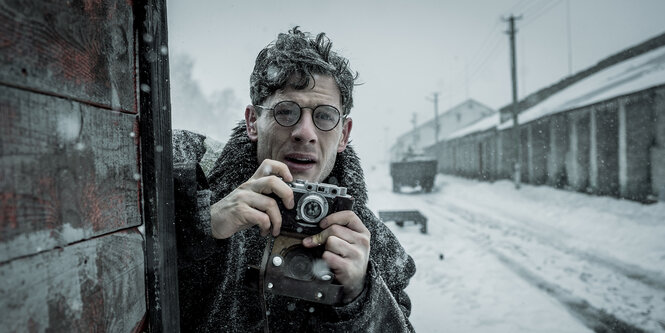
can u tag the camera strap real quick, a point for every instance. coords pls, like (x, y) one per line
(262, 274)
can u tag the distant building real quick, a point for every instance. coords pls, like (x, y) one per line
(450, 120)
(600, 131)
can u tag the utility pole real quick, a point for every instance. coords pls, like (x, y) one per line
(516, 126)
(466, 79)
(570, 48)
(416, 135)
(436, 116)
(386, 132)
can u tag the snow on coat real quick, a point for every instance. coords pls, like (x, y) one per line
(214, 294)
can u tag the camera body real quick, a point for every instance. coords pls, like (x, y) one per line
(292, 269)
(314, 201)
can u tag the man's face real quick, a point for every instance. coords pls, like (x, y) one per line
(308, 152)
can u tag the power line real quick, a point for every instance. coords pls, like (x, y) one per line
(532, 10)
(493, 41)
(519, 4)
(478, 60)
(534, 7)
(492, 32)
(490, 55)
(483, 56)
(542, 12)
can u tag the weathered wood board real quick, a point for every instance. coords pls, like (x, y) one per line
(68, 171)
(78, 49)
(92, 286)
(156, 162)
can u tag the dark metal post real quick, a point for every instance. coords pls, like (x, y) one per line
(437, 127)
(516, 127)
(436, 118)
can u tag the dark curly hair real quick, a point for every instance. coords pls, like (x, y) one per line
(298, 55)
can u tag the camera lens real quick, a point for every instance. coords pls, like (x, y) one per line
(299, 264)
(312, 208)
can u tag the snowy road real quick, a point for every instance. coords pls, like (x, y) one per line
(538, 259)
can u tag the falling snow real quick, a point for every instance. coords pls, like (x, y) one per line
(68, 126)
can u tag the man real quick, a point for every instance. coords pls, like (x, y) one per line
(297, 127)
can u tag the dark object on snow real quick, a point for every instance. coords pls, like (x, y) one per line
(413, 171)
(401, 216)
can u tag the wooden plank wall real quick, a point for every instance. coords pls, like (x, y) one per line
(71, 255)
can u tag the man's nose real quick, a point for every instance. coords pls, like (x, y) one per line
(304, 130)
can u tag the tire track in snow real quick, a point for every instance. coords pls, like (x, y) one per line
(544, 234)
(472, 305)
(596, 319)
(650, 278)
(606, 295)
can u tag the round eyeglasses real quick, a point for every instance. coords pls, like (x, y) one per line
(288, 113)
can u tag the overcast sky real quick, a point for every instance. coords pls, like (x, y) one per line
(405, 51)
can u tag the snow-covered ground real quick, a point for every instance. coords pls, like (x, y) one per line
(497, 259)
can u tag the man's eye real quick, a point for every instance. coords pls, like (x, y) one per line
(324, 116)
(283, 112)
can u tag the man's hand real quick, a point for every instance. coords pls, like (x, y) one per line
(347, 250)
(248, 205)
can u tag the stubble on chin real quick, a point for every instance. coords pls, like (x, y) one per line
(327, 169)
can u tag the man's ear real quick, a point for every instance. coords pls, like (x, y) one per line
(346, 132)
(250, 120)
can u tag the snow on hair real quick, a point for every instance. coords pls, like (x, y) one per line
(297, 55)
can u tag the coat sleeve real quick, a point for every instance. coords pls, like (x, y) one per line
(192, 198)
(383, 306)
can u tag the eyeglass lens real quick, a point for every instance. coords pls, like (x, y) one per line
(287, 113)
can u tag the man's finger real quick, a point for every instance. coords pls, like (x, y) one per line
(315, 240)
(336, 262)
(345, 218)
(268, 206)
(340, 247)
(273, 168)
(272, 184)
(254, 216)
(341, 232)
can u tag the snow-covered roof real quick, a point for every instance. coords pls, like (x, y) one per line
(479, 126)
(635, 74)
(461, 106)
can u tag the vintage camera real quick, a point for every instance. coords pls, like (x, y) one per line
(293, 270)
(314, 201)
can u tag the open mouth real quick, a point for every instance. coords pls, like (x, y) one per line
(299, 159)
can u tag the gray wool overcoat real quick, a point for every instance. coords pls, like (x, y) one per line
(213, 287)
